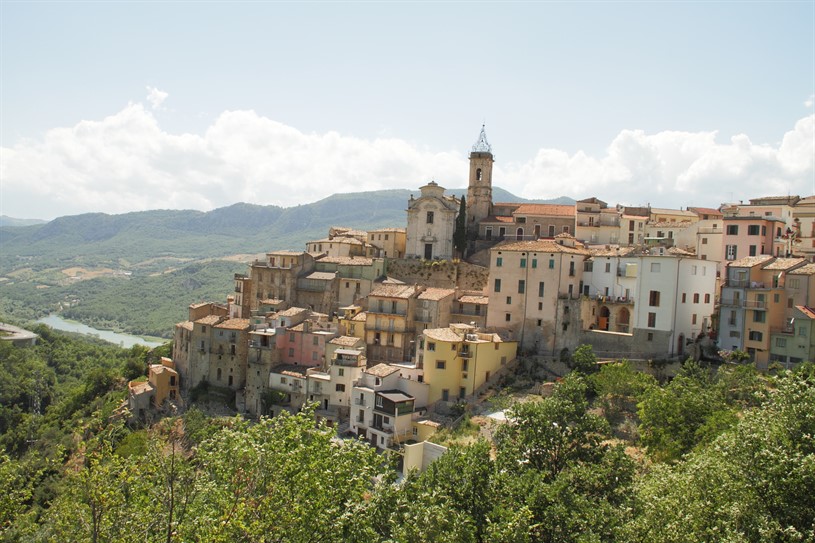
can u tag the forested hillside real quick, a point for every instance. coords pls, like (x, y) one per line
(614, 456)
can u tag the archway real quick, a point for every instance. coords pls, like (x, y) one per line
(604, 318)
(623, 319)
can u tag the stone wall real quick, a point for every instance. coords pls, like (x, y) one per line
(439, 273)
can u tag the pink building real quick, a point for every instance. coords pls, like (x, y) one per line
(752, 236)
(304, 344)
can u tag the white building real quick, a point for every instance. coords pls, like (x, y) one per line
(431, 222)
(646, 304)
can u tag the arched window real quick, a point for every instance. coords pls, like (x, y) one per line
(519, 234)
(478, 174)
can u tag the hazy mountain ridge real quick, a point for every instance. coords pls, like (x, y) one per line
(122, 240)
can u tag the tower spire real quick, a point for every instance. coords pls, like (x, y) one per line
(482, 145)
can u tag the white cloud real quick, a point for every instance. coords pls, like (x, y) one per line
(809, 102)
(156, 97)
(127, 162)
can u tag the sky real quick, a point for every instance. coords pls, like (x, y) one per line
(126, 106)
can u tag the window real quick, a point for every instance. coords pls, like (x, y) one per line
(429, 217)
(534, 263)
(465, 364)
(802, 331)
(497, 287)
(704, 241)
(683, 297)
(608, 267)
(314, 355)
(509, 300)
(283, 380)
(315, 340)
(462, 393)
(378, 401)
(551, 263)
(478, 174)
(521, 286)
(523, 262)
(755, 336)
(696, 297)
(693, 270)
(508, 317)
(340, 372)
(340, 387)
(732, 229)
(540, 289)
(759, 316)
(291, 351)
(650, 336)
(566, 229)
(752, 249)
(431, 346)
(780, 342)
(655, 267)
(499, 262)
(730, 252)
(440, 364)
(445, 395)
(693, 319)
(752, 230)
(789, 302)
(540, 306)
(551, 230)
(653, 298)
(652, 320)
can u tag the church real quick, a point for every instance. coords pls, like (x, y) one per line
(431, 220)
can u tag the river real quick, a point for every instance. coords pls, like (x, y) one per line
(125, 340)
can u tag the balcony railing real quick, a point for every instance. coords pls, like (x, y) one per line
(754, 304)
(387, 311)
(787, 330)
(360, 401)
(739, 283)
(731, 301)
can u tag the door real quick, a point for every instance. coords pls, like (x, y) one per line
(428, 251)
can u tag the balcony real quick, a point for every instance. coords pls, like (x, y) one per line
(423, 318)
(735, 302)
(360, 401)
(738, 283)
(710, 230)
(465, 354)
(383, 311)
(754, 304)
(612, 299)
(786, 330)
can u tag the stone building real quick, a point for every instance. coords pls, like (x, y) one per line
(431, 222)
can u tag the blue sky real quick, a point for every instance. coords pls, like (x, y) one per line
(124, 106)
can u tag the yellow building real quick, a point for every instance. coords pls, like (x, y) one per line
(390, 242)
(389, 325)
(161, 385)
(457, 361)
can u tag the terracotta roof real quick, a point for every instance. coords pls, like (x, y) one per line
(209, 319)
(291, 312)
(749, 261)
(540, 245)
(381, 370)
(705, 211)
(393, 291)
(474, 299)
(432, 293)
(640, 217)
(346, 341)
(234, 324)
(291, 371)
(784, 263)
(200, 304)
(680, 252)
(666, 211)
(809, 312)
(442, 334)
(497, 218)
(362, 316)
(140, 388)
(270, 301)
(612, 251)
(557, 210)
(347, 260)
(186, 325)
(322, 276)
(389, 229)
(809, 269)
(669, 224)
(286, 253)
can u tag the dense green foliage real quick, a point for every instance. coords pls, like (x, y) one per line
(730, 458)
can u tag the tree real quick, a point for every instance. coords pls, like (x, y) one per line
(583, 360)
(619, 387)
(460, 233)
(753, 483)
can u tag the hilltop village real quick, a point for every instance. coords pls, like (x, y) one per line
(383, 328)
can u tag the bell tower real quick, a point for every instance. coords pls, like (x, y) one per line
(479, 190)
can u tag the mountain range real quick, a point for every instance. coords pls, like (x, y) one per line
(126, 240)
